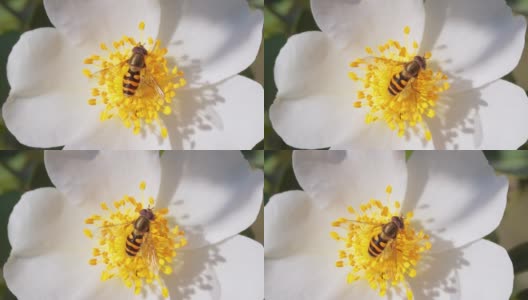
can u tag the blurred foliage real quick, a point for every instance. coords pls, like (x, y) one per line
(16, 17)
(519, 257)
(279, 177)
(21, 171)
(519, 6)
(284, 18)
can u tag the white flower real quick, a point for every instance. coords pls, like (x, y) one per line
(333, 86)
(195, 49)
(449, 201)
(201, 200)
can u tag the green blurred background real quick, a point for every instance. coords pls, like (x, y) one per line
(284, 18)
(21, 171)
(512, 233)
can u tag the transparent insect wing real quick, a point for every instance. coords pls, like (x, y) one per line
(102, 72)
(151, 81)
(373, 60)
(111, 230)
(367, 223)
(148, 252)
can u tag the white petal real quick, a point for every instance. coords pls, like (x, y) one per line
(67, 276)
(212, 195)
(350, 177)
(213, 39)
(242, 274)
(455, 195)
(47, 105)
(316, 121)
(294, 226)
(233, 269)
(93, 22)
(45, 232)
(496, 40)
(224, 116)
(307, 277)
(37, 219)
(482, 270)
(355, 25)
(314, 104)
(300, 255)
(90, 176)
(286, 220)
(296, 229)
(113, 135)
(378, 136)
(492, 117)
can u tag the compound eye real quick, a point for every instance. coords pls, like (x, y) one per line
(398, 221)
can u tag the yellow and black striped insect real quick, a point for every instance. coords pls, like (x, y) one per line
(141, 228)
(132, 77)
(389, 232)
(410, 70)
(137, 73)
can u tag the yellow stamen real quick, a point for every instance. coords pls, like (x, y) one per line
(164, 132)
(160, 243)
(148, 104)
(415, 100)
(88, 233)
(398, 259)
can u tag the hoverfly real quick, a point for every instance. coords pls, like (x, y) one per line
(139, 240)
(410, 70)
(389, 232)
(134, 77)
(141, 227)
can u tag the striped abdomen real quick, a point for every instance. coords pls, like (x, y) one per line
(377, 245)
(133, 243)
(131, 82)
(399, 82)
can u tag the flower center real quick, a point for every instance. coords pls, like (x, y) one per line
(134, 84)
(134, 243)
(380, 245)
(397, 86)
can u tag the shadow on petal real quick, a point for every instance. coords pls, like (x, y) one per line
(193, 109)
(437, 274)
(194, 274)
